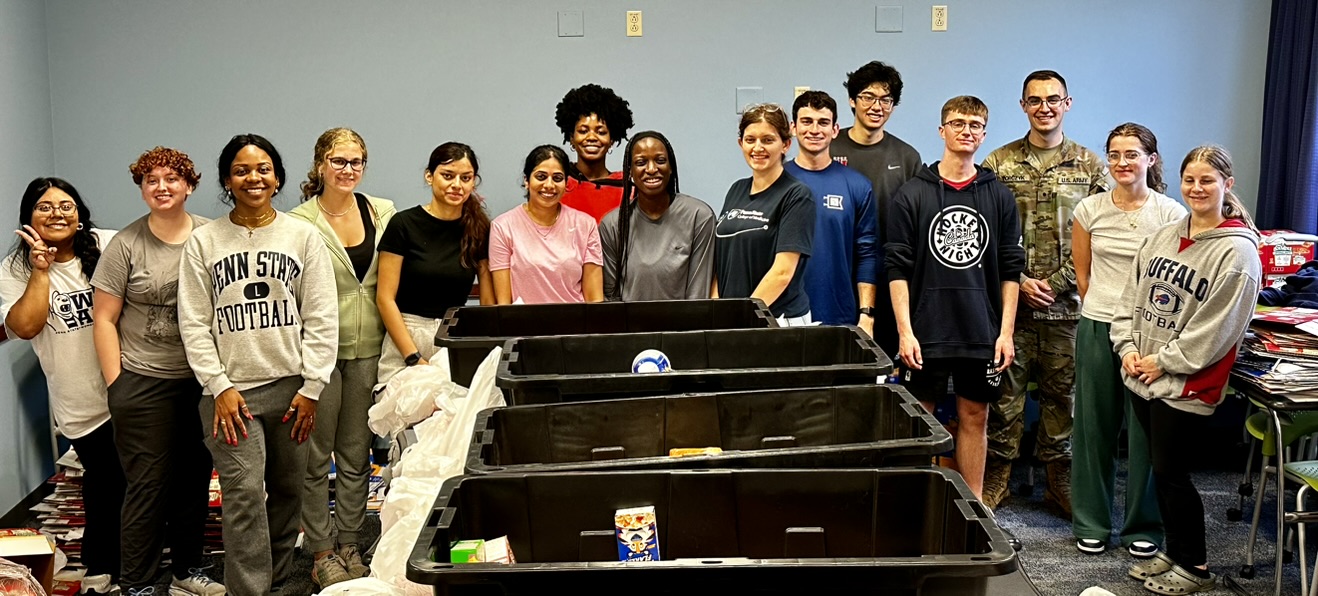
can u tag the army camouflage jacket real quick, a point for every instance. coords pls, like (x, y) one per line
(1046, 196)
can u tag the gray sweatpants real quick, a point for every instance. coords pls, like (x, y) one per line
(261, 483)
(340, 430)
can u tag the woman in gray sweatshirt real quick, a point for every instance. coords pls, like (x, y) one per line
(1184, 312)
(259, 319)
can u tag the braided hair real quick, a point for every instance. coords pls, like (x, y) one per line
(627, 207)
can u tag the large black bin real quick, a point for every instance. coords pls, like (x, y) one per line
(856, 426)
(470, 332)
(904, 531)
(537, 370)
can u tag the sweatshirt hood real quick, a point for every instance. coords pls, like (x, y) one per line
(929, 172)
(1227, 229)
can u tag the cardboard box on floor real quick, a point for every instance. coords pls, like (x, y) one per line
(31, 549)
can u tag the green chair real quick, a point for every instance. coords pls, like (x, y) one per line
(1306, 473)
(1295, 426)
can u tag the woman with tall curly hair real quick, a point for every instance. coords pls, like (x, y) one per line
(429, 257)
(153, 395)
(593, 120)
(259, 319)
(350, 225)
(658, 244)
(46, 296)
(542, 251)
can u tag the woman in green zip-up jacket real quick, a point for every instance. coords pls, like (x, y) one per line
(351, 224)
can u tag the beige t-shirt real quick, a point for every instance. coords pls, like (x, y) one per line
(143, 270)
(1114, 236)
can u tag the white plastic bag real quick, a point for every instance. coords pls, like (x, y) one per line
(362, 586)
(412, 395)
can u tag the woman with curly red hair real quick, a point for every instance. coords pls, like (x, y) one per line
(153, 395)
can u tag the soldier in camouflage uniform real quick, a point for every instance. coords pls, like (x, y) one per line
(1049, 174)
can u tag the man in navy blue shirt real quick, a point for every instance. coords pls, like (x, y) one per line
(843, 269)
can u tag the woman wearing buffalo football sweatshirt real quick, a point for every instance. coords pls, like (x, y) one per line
(1184, 311)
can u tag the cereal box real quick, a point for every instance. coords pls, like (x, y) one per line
(638, 534)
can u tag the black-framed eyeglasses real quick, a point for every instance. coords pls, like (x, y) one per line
(67, 208)
(1053, 101)
(339, 163)
(960, 125)
(1129, 156)
(865, 100)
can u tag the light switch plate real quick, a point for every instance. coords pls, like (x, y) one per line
(887, 19)
(571, 23)
(749, 96)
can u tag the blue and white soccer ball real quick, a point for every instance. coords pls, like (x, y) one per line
(651, 361)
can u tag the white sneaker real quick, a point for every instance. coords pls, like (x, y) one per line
(196, 584)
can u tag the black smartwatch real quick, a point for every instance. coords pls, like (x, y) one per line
(867, 311)
(412, 359)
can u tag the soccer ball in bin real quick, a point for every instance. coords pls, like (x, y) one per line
(651, 361)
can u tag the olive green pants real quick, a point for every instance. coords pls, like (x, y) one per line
(1045, 353)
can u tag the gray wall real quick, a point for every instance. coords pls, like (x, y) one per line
(25, 452)
(409, 74)
(120, 76)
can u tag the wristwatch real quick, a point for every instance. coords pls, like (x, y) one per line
(412, 359)
(867, 311)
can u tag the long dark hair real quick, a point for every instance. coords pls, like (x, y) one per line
(475, 221)
(85, 246)
(627, 207)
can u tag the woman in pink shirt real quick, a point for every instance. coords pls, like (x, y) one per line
(542, 251)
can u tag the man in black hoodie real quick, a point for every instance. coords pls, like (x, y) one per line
(954, 259)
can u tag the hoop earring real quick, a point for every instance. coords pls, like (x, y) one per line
(80, 226)
(611, 149)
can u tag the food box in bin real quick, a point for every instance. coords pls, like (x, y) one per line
(1284, 251)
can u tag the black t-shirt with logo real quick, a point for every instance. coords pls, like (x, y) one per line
(753, 229)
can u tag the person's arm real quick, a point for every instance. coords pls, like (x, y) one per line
(318, 307)
(1004, 349)
(503, 286)
(196, 313)
(106, 308)
(908, 347)
(867, 265)
(27, 315)
(386, 300)
(775, 281)
(486, 283)
(500, 262)
(1081, 256)
(700, 269)
(1215, 327)
(592, 282)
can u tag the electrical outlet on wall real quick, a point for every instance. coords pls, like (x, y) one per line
(940, 18)
(798, 90)
(633, 23)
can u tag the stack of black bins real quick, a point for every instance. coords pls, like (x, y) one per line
(823, 483)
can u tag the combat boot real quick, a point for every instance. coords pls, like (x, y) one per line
(1058, 493)
(997, 476)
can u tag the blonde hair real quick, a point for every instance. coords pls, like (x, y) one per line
(1219, 159)
(327, 141)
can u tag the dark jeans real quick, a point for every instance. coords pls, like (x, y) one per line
(158, 433)
(1174, 448)
(102, 497)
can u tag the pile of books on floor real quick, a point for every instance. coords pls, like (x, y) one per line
(61, 513)
(1280, 354)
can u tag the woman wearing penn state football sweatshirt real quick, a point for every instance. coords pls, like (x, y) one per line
(1184, 312)
(258, 314)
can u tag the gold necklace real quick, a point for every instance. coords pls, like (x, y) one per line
(322, 208)
(252, 222)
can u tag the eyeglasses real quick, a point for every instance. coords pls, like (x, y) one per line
(1130, 156)
(960, 125)
(67, 208)
(339, 163)
(865, 100)
(762, 107)
(1053, 101)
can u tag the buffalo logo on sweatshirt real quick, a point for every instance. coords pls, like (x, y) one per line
(958, 237)
(1165, 300)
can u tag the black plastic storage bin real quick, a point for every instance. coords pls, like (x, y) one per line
(470, 332)
(856, 426)
(538, 370)
(903, 531)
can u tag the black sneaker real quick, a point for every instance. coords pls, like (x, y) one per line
(1142, 549)
(1090, 546)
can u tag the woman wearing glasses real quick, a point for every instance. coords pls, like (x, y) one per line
(259, 320)
(1107, 230)
(350, 224)
(764, 234)
(593, 120)
(660, 244)
(153, 394)
(46, 297)
(542, 251)
(429, 257)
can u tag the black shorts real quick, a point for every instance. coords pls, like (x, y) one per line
(973, 379)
